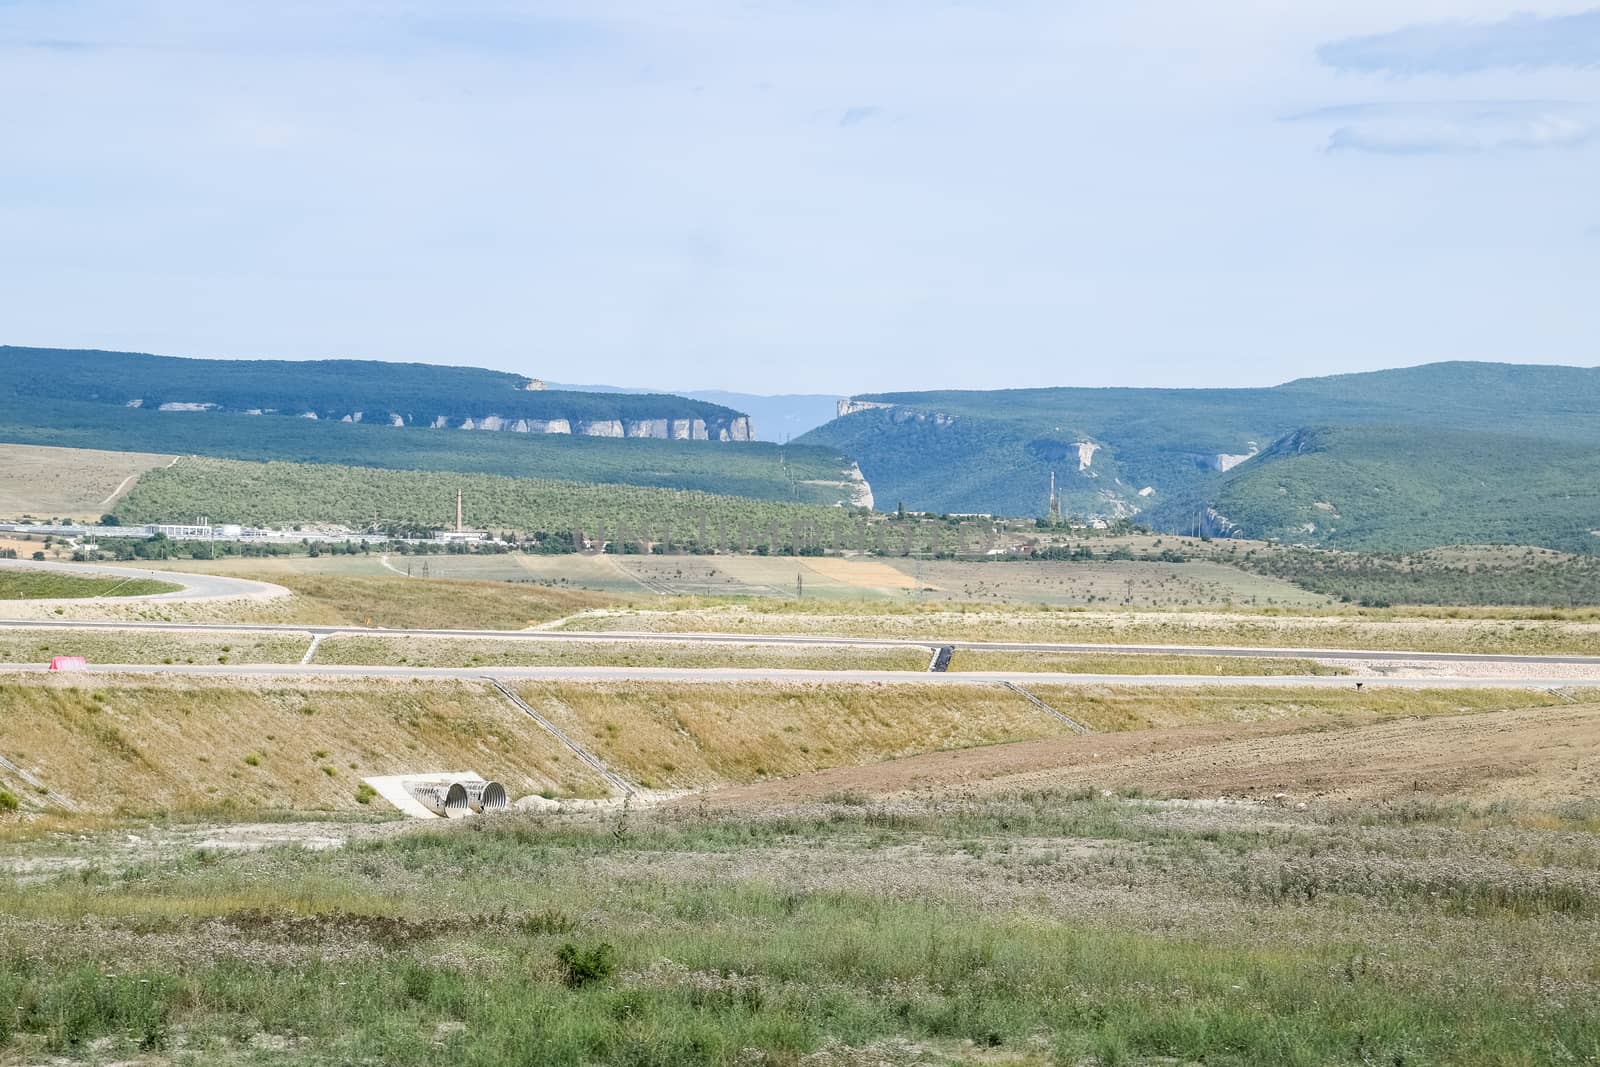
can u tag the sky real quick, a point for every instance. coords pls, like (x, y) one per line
(807, 195)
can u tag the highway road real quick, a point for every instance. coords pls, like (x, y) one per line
(750, 676)
(816, 641)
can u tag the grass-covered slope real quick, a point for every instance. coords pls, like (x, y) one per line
(1405, 488)
(1419, 456)
(276, 494)
(53, 585)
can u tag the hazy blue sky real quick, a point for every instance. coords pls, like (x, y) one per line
(807, 195)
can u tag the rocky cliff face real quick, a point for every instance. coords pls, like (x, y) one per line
(850, 407)
(736, 429)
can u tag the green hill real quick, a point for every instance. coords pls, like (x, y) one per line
(1426, 455)
(1405, 488)
(274, 494)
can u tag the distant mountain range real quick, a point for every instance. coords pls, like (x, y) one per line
(1437, 454)
(402, 416)
(1446, 453)
(390, 394)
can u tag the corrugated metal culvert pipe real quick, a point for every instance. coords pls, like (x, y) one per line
(487, 797)
(449, 800)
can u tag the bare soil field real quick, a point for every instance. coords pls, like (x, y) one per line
(67, 483)
(691, 736)
(1540, 754)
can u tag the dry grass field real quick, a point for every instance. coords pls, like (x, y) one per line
(1131, 584)
(67, 483)
(476, 652)
(1457, 631)
(1075, 663)
(101, 646)
(883, 581)
(1223, 877)
(142, 745)
(878, 582)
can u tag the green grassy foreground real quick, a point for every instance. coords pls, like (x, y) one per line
(41, 585)
(1040, 929)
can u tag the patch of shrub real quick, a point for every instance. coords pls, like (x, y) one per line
(548, 921)
(581, 966)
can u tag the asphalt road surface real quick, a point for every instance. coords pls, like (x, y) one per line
(757, 675)
(814, 641)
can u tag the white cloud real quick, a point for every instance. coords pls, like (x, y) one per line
(1454, 127)
(1520, 42)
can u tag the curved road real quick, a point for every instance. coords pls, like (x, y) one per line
(193, 587)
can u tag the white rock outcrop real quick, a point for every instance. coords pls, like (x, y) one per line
(848, 406)
(740, 428)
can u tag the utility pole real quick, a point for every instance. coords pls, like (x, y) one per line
(799, 586)
(458, 511)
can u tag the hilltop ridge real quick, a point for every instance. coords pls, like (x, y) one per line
(393, 394)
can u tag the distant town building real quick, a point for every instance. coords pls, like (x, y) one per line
(179, 533)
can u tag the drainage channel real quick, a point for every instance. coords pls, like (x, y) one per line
(1072, 724)
(311, 652)
(616, 781)
(32, 780)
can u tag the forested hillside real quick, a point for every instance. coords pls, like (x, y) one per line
(416, 393)
(275, 494)
(1426, 455)
(1405, 488)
